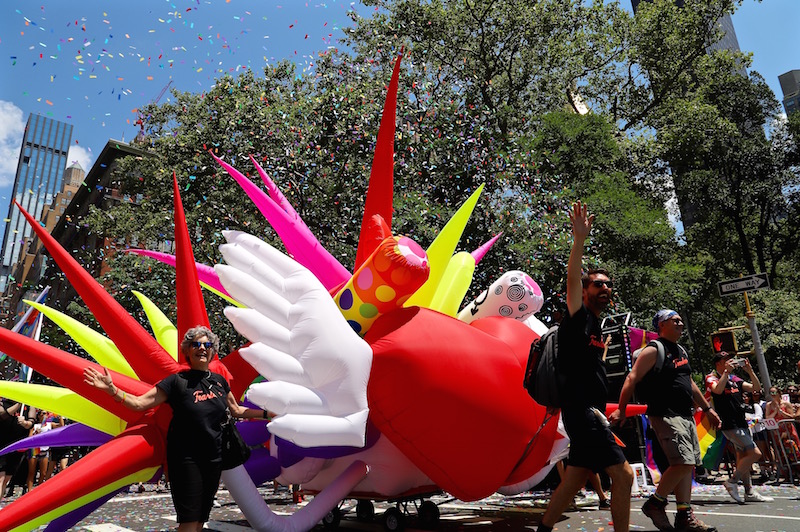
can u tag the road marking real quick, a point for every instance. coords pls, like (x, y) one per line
(136, 498)
(210, 525)
(107, 528)
(225, 527)
(732, 514)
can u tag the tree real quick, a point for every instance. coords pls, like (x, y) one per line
(489, 94)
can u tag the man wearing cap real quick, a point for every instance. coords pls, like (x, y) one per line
(726, 389)
(671, 395)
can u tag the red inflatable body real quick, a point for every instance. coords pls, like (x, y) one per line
(450, 397)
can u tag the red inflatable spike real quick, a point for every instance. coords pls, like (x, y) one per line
(148, 359)
(242, 373)
(67, 370)
(191, 307)
(380, 193)
(135, 449)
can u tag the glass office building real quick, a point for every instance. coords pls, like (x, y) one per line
(729, 40)
(790, 86)
(40, 170)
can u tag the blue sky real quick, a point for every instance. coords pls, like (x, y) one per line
(93, 62)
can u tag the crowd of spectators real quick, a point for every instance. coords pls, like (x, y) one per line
(29, 467)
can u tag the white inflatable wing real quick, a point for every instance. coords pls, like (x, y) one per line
(317, 366)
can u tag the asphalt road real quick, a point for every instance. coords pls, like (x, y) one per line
(151, 511)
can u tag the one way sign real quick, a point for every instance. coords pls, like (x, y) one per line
(750, 283)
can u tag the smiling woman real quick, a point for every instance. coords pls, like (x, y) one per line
(200, 400)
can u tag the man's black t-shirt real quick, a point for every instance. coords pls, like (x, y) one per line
(580, 358)
(729, 404)
(670, 390)
(198, 401)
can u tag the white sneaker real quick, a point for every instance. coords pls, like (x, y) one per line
(733, 490)
(755, 496)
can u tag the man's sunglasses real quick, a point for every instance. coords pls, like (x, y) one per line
(600, 284)
(207, 345)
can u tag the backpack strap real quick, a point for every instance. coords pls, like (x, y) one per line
(661, 355)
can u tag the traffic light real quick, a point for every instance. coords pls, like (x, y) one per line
(723, 341)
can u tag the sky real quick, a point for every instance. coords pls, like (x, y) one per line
(92, 63)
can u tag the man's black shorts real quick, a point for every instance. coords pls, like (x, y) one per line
(591, 444)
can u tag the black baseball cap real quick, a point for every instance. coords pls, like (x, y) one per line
(722, 355)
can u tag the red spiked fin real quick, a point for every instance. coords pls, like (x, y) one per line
(67, 370)
(380, 193)
(137, 448)
(242, 373)
(191, 307)
(147, 358)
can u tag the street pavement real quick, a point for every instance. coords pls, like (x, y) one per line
(152, 511)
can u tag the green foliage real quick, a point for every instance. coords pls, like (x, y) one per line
(490, 93)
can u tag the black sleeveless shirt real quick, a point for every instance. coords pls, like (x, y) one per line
(670, 390)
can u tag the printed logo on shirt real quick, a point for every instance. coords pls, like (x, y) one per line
(200, 396)
(596, 342)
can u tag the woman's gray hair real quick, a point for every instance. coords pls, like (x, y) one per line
(198, 332)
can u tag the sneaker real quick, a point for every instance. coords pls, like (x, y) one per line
(605, 504)
(755, 496)
(685, 521)
(654, 509)
(733, 490)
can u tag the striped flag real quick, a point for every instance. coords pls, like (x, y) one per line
(712, 442)
(30, 325)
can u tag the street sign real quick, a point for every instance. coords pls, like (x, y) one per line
(750, 283)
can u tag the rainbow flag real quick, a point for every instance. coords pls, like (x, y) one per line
(649, 459)
(712, 442)
(29, 321)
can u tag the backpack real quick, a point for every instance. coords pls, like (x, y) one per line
(543, 380)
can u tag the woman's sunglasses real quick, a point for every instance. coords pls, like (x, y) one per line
(207, 345)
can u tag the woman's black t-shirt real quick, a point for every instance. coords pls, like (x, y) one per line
(199, 402)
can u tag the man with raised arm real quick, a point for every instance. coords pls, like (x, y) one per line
(593, 447)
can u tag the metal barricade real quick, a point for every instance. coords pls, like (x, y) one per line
(782, 437)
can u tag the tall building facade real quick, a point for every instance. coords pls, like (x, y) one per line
(64, 221)
(40, 171)
(28, 269)
(790, 86)
(729, 41)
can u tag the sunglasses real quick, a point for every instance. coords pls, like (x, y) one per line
(600, 284)
(207, 345)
